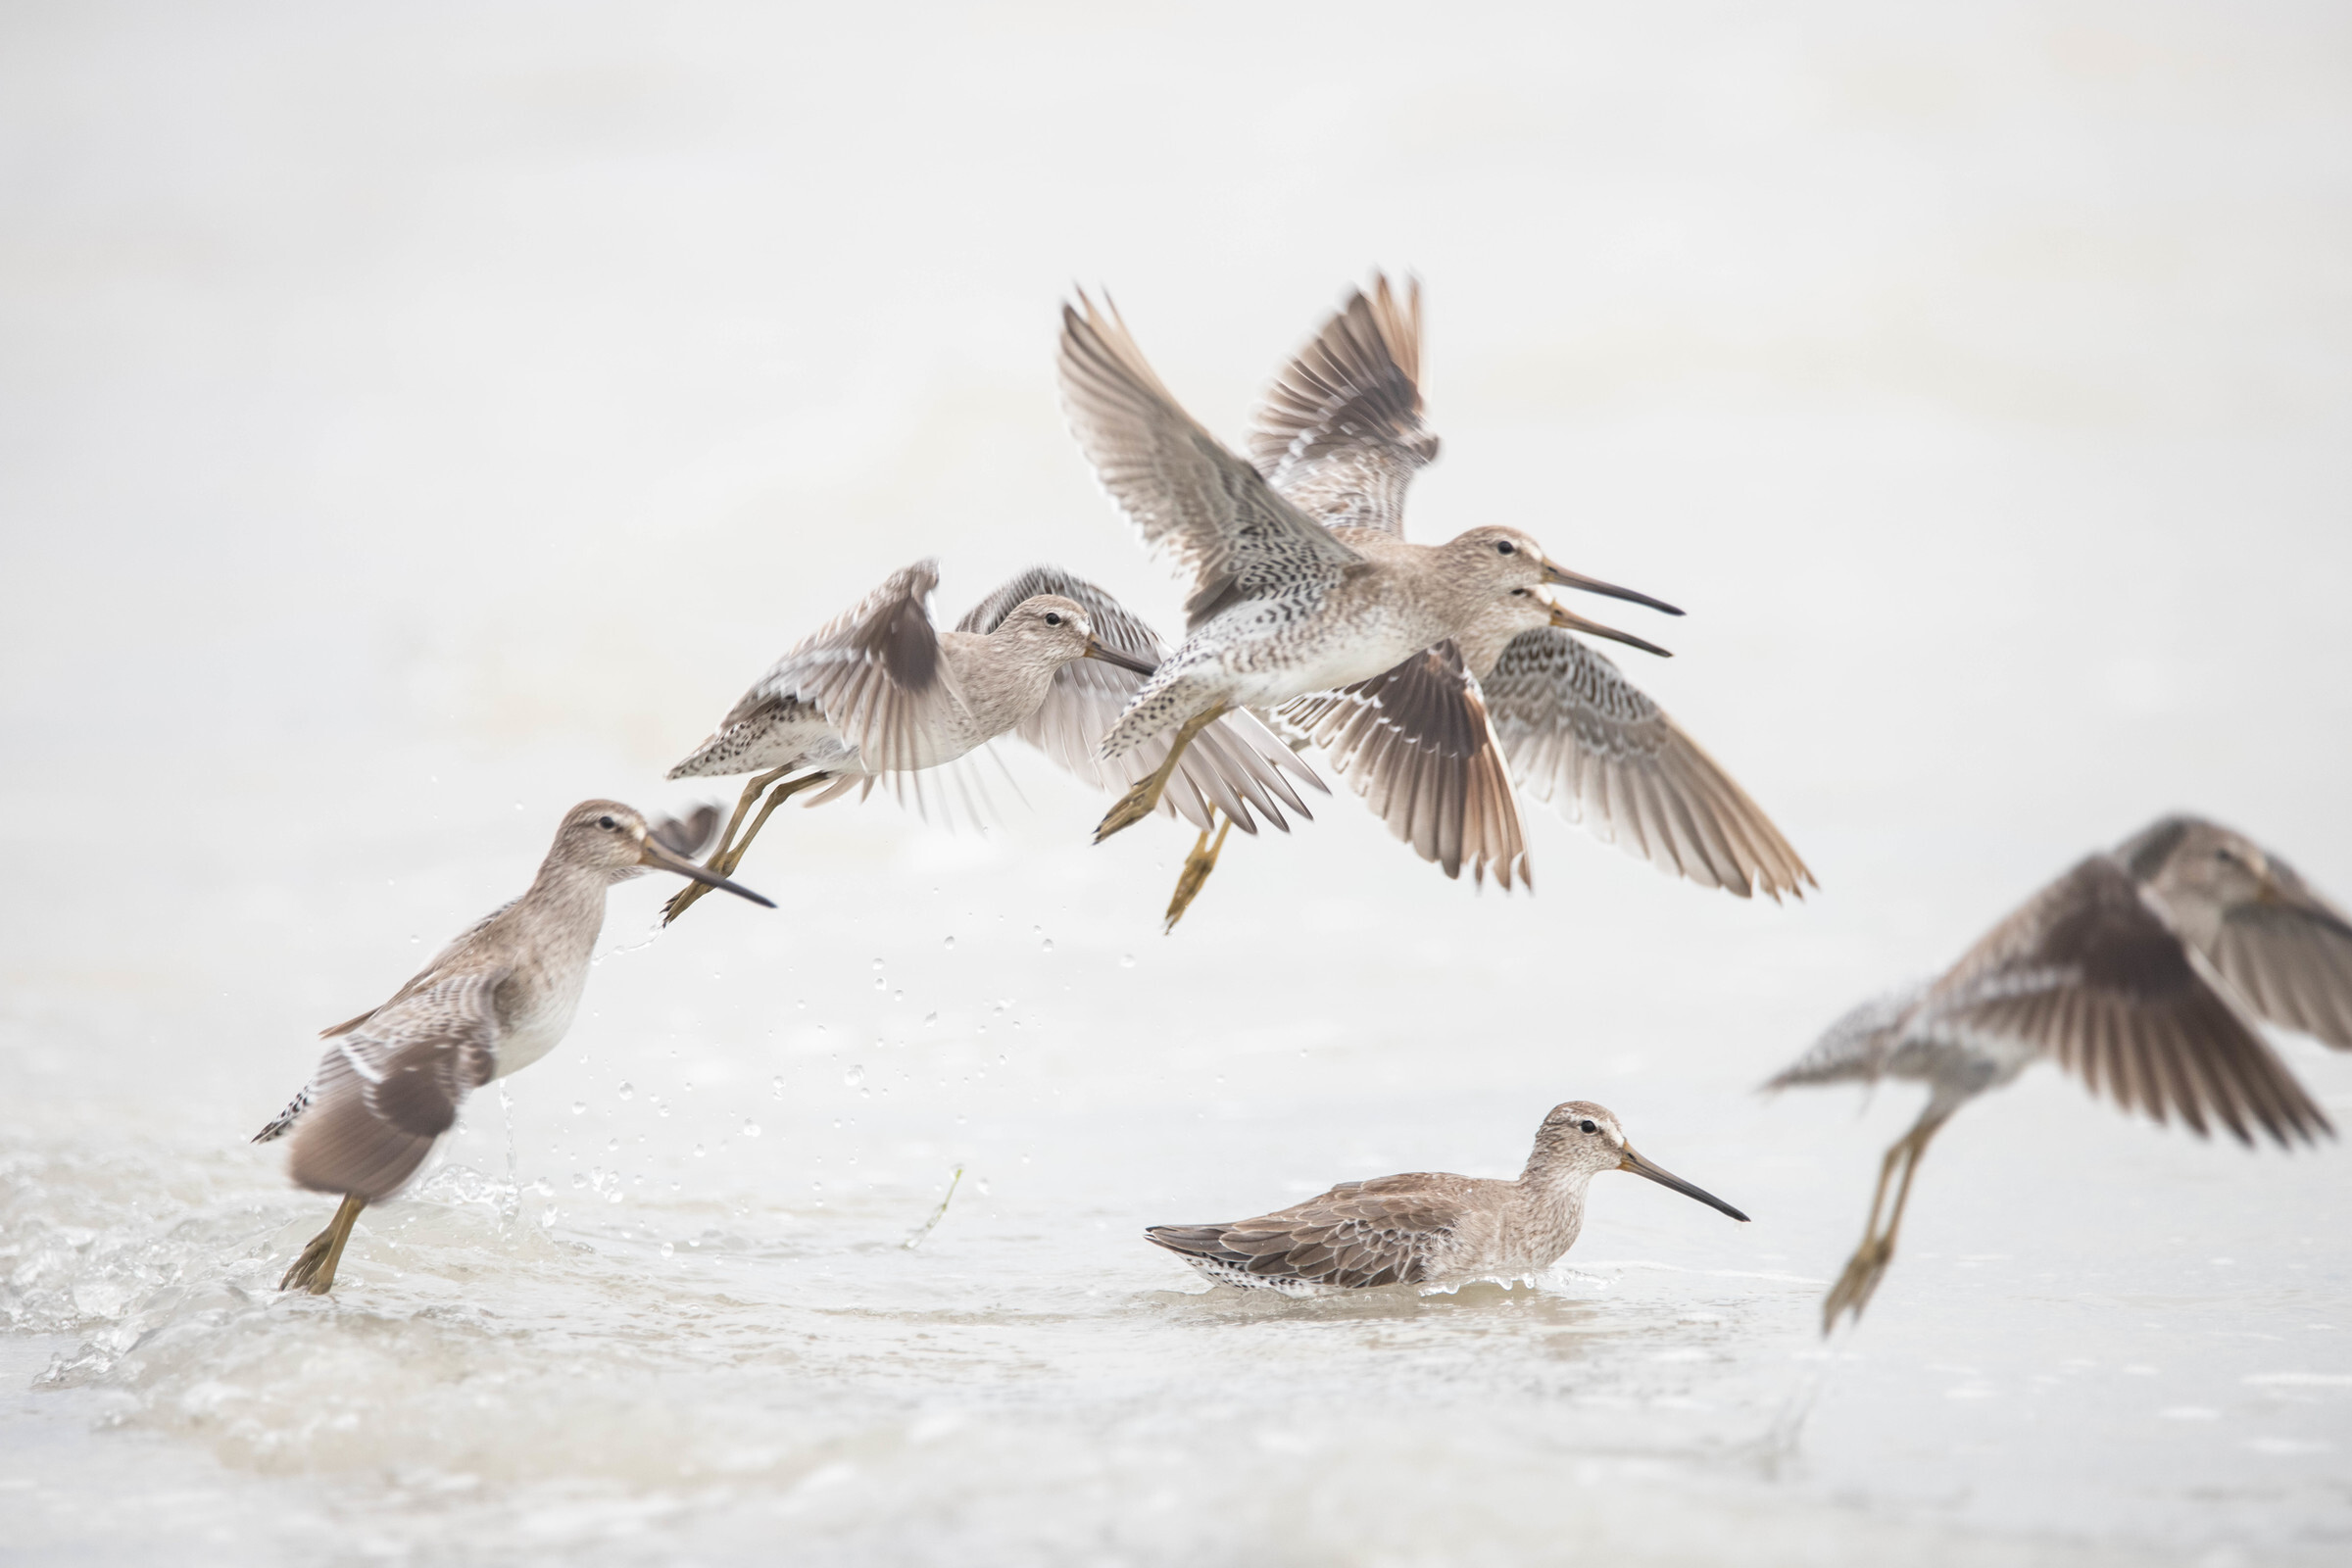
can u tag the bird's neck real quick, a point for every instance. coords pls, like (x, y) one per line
(567, 900)
(1002, 681)
(1550, 1212)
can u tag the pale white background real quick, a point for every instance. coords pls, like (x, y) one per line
(412, 421)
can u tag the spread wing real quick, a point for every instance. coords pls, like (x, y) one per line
(689, 835)
(1353, 1237)
(391, 1085)
(874, 671)
(1196, 504)
(2089, 973)
(1233, 766)
(1340, 432)
(2289, 956)
(1416, 743)
(1578, 732)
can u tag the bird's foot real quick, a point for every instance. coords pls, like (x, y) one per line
(1855, 1286)
(1132, 808)
(1194, 875)
(313, 1270)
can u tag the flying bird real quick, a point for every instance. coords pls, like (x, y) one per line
(2142, 971)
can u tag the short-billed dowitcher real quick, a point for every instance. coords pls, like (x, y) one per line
(1281, 606)
(494, 1001)
(2144, 970)
(1427, 1228)
(1433, 743)
(878, 693)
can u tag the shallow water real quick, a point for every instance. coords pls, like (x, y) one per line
(410, 438)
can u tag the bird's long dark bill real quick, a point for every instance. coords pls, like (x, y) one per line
(1643, 1167)
(1576, 623)
(656, 854)
(1594, 585)
(1111, 656)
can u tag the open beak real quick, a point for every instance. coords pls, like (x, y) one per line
(1594, 585)
(1643, 1167)
(1576, 623)
(653, 853)
(1111, 656)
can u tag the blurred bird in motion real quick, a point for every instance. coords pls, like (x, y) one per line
(1427, 1228)
(1288, 600)
(2142, 970)
(878, 694)
(494, 1001)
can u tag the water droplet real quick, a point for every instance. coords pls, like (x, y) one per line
(751, 1129)
(579, 1107)
(626, 1091)
(667, 1248)
(699, 1152)
(611, 1146)
(579, 1179)
(930, 1018)
(1046, 944)
(950, 944)
(854, 1077)
(898, 996)
(776, 1086)
(1127, 960)
(877, 967)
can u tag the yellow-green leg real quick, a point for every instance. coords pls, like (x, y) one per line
(1196, 866)
(314, 1270)
(1144, 798)
(1863, 1271)
(730, 856)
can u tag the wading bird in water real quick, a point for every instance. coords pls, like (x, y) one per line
(1283, 605)
(878, 693)
(491, 1003)
(2142, 970)
(1429, 1227)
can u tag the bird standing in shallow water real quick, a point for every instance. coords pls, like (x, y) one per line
(877, 693)
(1435, 742)
(1281, 606)
(2142, 970)
(491, 1003)
(1426, 1228)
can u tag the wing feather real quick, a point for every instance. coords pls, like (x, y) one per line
(1338, 434)
(1198, 506)
(1578, 732)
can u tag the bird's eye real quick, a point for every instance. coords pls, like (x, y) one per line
(1590, 1125)
(1518, 593)
(1053, 617)
(1504, 546)
(604, 823)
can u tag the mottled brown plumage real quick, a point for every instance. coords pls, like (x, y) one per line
(1427, 1227)
(493, 1001)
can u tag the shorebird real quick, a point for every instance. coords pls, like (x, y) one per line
(878, 693)
(1435, 742)
(1281, 606)
(2142, 970)
(493, 1001)
(1426, 1228)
